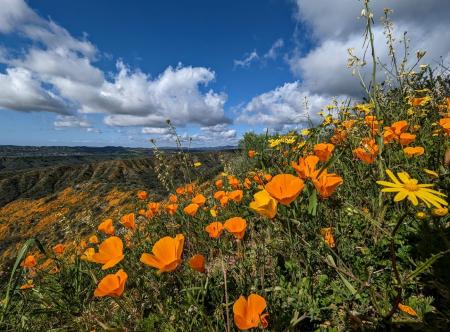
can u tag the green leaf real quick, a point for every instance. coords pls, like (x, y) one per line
(312, 206)
(426, 265)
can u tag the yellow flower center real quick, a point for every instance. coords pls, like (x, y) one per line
(411, 186)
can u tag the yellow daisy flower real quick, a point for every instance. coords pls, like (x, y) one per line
(406, 187)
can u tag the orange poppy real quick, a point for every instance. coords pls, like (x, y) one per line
(29, 284)
(93, 239)
(236, 226)
(141, 212)
(149, 214)
(219, 183)
(110, 252)
(197, 262)
(445, 124)
(323, 151)
(219, 194)
(142, 195)
(339, 136)
(247, 183)
(414, 151)
(224, 200)
(154, 206)
(419, 101)
(367, 152)
(59, 249)
(214, 229)
(372, 122)
(128, 221)
(233, 182)
(327, 233)
(251, 153)
(199, 199)
(236, 195)
(190, 188)
(106, 227)
(173, 198)
(88, 254)
(407, 309)
(326, 183)
(112, 284)
(166, 253)
(306, 167)
(264, 204)
(171, 208)
(285, 188)
(180, 190)
(191, 209)
(406, 138)
(394, 131)
(29, 261)
(248, 313)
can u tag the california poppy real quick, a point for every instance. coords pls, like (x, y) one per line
(214, 229)
(191, 209)
(29, 284)
(173, 198)
(197, 262)
(248, 313)
(190, 188)
(112, 284)
(406, 138)
(285, 188)
(154, 207)
(327, 233)
(264, 204)
(88, 254)
(306, 167)
(414, 151)
(233, 182)
(29, 261)
(199, 199)
(180, 190)
(149, 214)
(236, 195)
(59, 249)
(224, 200)
(407, 309)
(110, 252)
(372, 122)
(106, 227)
(445, 124)
(367, 152)
(394, 131)
(93, 239)
(166, 253)
(236, 226)
(251, 153)
(323, 151)
(326, 183)
(171, 208)
(142, 195)
(247, 183)
(219, 183)
(128, 221)
(219, 194)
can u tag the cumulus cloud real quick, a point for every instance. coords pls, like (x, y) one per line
(336, 26)
(60, 75)
(287, 106)
(21, 90)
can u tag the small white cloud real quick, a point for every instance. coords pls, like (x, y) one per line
(70, 121)
(272, 53)
(155, 131)
(247, 60)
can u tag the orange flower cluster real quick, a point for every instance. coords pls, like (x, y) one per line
(367, 152)
(397, 132)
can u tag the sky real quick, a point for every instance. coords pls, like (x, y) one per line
(102, 73)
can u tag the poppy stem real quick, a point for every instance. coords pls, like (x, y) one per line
(226, 291)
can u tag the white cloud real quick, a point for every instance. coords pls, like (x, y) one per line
(155, 131)
(60, 74)
(21, 90)
(289, 105)
(336, 27)
(247, 60)
(272, 53)
(70, 121)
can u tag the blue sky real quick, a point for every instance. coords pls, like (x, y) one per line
(110, 72)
